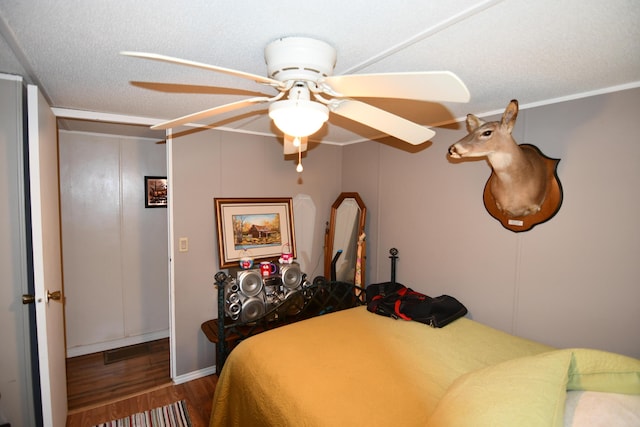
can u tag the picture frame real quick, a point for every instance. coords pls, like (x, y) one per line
(260, 228)
(155, 191)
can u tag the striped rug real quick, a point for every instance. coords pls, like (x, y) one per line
(173, 415)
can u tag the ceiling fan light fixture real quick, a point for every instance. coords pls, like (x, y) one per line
(298, 117)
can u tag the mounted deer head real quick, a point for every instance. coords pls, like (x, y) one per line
(520, 178)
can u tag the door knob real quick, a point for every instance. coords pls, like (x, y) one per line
(28, 299)
(55, 295)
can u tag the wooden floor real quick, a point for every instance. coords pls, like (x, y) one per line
(100, 392)
(197, 393)
(90, 381)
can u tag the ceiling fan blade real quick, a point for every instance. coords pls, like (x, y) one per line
(423, 86)
(388, 123)
(289, 148)
(172, 60)
(210, 112)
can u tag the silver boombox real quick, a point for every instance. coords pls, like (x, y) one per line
(249, 296)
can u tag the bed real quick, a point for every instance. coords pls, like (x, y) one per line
(356, 368)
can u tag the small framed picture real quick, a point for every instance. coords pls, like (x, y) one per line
(260, 226)
(155, 195)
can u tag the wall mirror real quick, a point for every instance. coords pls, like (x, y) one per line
(344, 257)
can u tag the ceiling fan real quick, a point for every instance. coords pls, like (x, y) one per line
(301, 69)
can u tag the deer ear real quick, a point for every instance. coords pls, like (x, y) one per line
(509, 116)
(473, 123)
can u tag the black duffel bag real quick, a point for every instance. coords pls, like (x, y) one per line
(395, 300)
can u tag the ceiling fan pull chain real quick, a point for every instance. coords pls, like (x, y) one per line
(299, 168)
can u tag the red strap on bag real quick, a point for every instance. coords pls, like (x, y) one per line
(397, 310)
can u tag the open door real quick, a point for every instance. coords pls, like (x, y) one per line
(47, 260)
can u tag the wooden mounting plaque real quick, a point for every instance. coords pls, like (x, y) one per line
(550, 205)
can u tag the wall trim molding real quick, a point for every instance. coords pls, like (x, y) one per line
(81, 350)
(572, 97)
(200, 373)
(106, 135)
(138, 120)
(98, 116)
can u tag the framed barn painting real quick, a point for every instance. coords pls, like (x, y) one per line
(259, 227)
(155, 192)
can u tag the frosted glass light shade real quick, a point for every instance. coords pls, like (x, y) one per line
(298, 117)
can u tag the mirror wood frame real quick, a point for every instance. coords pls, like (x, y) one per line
(330, 233)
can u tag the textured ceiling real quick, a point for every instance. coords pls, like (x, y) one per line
(537, 52)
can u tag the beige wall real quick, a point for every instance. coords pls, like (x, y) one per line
(209, 164)
(573, 281)
(569, 282)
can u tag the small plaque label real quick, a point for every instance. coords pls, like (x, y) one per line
(517, 222)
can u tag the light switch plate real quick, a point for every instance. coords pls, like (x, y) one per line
(183, 244)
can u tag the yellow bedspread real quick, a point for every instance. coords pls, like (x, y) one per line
(354, 368)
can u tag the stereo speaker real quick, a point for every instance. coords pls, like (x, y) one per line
(291, 275)
(250, 282)
(244, 296)
(248, 296)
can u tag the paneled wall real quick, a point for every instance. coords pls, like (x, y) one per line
(115, 254)
(209, 164)
(569, 282)
(559, 283)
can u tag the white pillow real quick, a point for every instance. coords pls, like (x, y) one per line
(597, 409)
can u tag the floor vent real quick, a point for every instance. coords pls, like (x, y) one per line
(123, 353)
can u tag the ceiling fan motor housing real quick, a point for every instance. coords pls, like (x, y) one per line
(299, 58)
